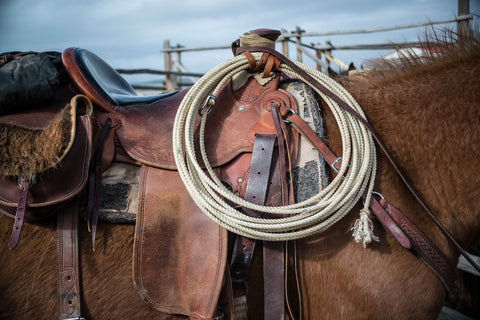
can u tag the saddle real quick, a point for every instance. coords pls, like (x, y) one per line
(180, 255)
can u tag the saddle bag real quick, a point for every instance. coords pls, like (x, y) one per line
(45, 149)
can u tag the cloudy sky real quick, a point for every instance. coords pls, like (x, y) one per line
(130, 33)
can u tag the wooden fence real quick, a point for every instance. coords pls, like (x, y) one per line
(177, 75)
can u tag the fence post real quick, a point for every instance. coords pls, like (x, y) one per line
(463, 9)
(299, 43)
(329, 52)
(318, 54)
(178, 79)
(285, 46)
(168, 65)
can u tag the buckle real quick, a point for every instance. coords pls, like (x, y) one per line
(209, 102)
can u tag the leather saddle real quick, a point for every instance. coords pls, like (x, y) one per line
(180, 255)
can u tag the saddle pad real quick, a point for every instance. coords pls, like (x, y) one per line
(179, 253)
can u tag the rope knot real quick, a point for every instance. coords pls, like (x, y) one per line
(363, 228)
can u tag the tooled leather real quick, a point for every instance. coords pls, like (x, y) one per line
(386, 220)
(423, 247)
(233, 113)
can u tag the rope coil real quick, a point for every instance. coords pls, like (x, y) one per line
(302, 219)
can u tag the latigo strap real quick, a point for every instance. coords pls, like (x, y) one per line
(68, 274)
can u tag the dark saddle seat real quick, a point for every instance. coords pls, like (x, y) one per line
(107, 82)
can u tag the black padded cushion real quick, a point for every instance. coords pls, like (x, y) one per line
(108, 82)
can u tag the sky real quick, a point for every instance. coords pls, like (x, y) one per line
(130, 33)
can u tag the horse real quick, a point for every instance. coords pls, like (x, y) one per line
(427, 113)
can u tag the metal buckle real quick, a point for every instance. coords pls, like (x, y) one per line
(335, 169)
(334, 163)
(209, 103)
(378, 194)
(292, 112)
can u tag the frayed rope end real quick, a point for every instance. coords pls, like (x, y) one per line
(363, 229)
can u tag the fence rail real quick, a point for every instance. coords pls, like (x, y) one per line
(321, 54)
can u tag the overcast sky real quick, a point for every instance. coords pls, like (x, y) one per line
(130, 33)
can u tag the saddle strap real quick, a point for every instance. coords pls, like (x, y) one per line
(255, 192)
(68, 276)
(336, 162)
(94, 176)
(423, 247)
(19, 214)
(273, 253)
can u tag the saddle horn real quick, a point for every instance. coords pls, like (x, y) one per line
(258, 37)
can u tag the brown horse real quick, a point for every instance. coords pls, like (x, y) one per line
(427, 113)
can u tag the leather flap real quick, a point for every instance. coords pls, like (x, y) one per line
(179, 253)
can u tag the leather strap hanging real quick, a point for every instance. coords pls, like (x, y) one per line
(68, 275)
(273, 252)
(19, 214)
(255, 192)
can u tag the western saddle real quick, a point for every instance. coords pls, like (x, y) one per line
(172, 271)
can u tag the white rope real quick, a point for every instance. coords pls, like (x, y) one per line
(301, 219)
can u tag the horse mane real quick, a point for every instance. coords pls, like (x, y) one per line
(442, 48)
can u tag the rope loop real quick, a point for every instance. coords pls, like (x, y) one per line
(299, 220)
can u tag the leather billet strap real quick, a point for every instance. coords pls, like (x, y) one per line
(68, 275)
(19, 214)
(103, 154)
(376, 137)
(255, 192)
(273, 252)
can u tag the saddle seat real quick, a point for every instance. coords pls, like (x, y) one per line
(107, 82)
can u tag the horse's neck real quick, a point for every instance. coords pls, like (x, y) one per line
(430, 121)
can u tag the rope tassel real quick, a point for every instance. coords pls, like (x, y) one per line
(363, 229)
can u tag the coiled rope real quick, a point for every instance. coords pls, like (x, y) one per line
(298, 220)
